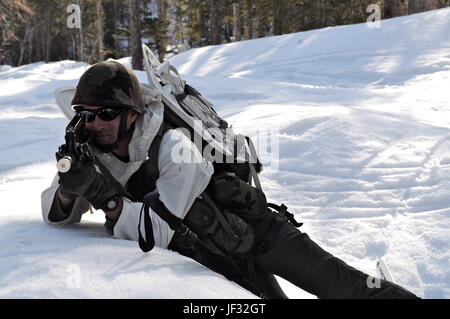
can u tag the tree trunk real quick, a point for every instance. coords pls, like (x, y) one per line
(215, 7)
(23, 42)
(116, 33)
(203, 29)
(21, 49)
(135, 35)
(278, 17)
(328, 13)
(248, 20)
(416, 6)
(261, 19)
(73, 37)
(79, 38)
(99, 49)
(2, 53)
(48, 40)
(30, 46)
(79, 49)
(162, 30)
(237, 21)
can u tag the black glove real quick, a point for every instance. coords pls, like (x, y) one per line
(85, 181)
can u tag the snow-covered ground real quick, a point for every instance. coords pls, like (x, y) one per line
(358, 124)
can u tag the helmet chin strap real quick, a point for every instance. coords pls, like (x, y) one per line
(123, 132)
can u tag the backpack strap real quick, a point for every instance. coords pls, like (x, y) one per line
(147, 243)
(153, 151)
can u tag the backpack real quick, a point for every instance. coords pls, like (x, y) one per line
(230, 205)
(233, 156)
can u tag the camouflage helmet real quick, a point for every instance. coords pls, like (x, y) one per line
(109, 84)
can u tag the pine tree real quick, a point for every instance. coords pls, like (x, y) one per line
(263, 13)
(197, 23)
(432, 4)
(12, 15)
(216, 8)
(395, 8)
(179, 11)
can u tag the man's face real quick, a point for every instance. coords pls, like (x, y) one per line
(106, 132)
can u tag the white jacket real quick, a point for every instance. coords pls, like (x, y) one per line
(179, 183)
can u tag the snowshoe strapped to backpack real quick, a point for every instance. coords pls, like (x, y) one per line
(186, 108)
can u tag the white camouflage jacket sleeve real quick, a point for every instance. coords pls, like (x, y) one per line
(184, 174)
(179, 183)
(52, 212)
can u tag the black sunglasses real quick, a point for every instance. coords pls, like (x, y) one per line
(104, 114)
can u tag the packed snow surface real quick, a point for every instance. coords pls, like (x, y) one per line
(352, 124)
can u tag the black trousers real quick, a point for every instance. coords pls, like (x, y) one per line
(285, 251)
(293, 256)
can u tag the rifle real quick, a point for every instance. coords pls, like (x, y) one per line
(76, 149)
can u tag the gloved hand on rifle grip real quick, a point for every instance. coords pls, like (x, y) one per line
(87, 182)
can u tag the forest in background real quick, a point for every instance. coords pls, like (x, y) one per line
(40, 30)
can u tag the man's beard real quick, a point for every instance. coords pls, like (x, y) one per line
(106, 148)
(109, 148)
